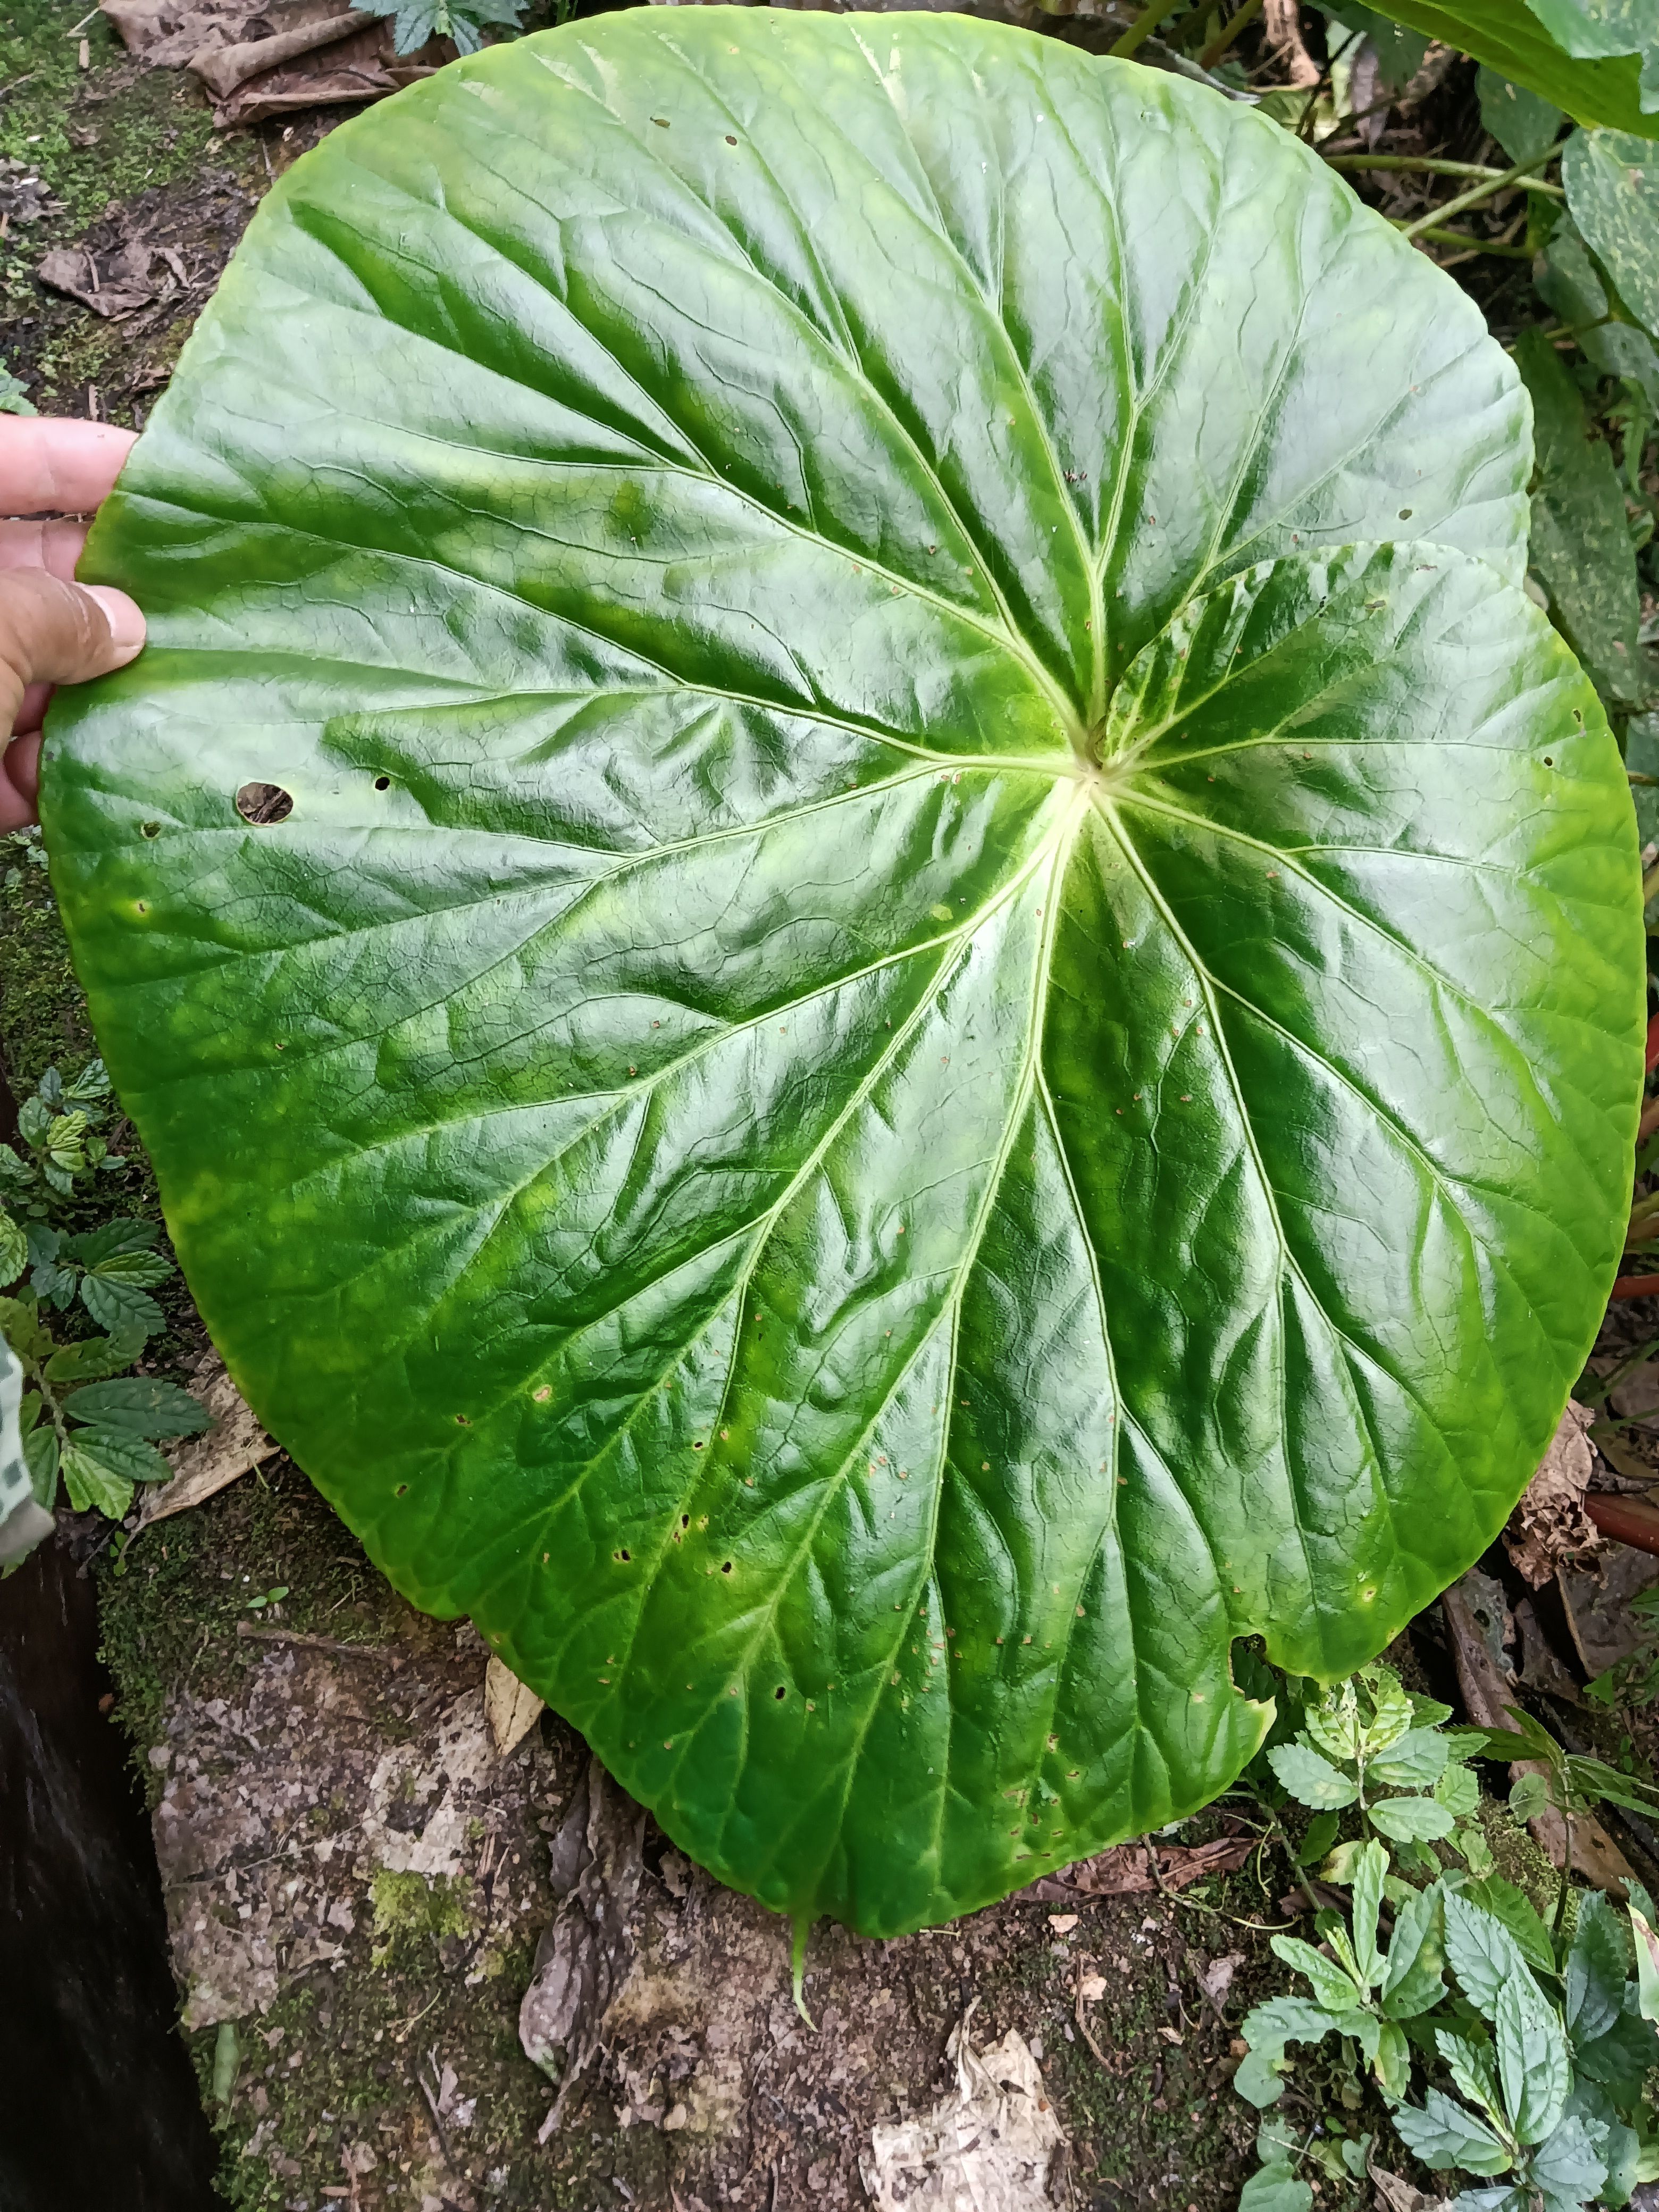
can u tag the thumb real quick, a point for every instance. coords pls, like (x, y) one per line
(51, 632)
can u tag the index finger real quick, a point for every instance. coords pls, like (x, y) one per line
(50, 465)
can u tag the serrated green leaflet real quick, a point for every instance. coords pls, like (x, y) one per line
(923, 1038)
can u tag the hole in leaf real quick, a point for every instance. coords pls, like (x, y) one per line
(1404, 514)
(383, 783)
(403, 1490)
(727, 1569)
(624, 1556)
(780, 1691)
(150, 828)
(260, 803)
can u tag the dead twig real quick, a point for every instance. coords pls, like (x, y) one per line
(1083, 2028)
(254, 1633)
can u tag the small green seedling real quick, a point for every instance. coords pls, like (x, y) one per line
(1371, 1746)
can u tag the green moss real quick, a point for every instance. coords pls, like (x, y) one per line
(103, 133)
(1520, 1860)
(411, 1912)
(43, 1016)
(169, 1609)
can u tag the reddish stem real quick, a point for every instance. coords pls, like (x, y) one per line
(1626, 1520)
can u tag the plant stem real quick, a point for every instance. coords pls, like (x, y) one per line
(1434, 166)
(1470, 244)
(1501, 183)
(1566, 1875)
(1297, 1872)
(1224, 38)
(1144, 27)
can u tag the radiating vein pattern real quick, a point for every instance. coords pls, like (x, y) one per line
(950, 1010)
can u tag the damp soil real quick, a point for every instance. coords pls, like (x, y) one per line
(358, 1882)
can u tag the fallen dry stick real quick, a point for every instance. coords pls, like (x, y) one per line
(1132, 1870)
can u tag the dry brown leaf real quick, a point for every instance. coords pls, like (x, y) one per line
(1550, 1525)
(1473, 1610)
(1284, 28)
(202, 1465)
(272, 60)
(72, 270)
(988, 2147)
(165, 34)
(1395, 2194)
(511, 1708)
(222, 68)
(1639, 1391)
(1598, 1606)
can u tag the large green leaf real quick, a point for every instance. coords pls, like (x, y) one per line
(1596, 59)
(895, 1047)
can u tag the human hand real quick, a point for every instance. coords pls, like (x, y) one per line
(52, 631)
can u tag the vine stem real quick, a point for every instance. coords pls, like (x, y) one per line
(1468, 242)
(1143, 27)
(1501, 183)
(1566, 1876)
(1434, 166)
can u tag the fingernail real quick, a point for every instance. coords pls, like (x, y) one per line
(126, 624)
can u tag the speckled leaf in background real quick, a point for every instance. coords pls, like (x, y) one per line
(1581, 543)
(1570, 282)
(916, 1049)
(1613, 191)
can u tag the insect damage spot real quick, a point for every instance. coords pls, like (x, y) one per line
(263, 802)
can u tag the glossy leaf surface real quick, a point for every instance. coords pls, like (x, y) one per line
(896, 1046)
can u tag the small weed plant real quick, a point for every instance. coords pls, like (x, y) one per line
(83, 1415)
(462, 21)
(61, 1148)
(1374, 1746)
(1508, 2052)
